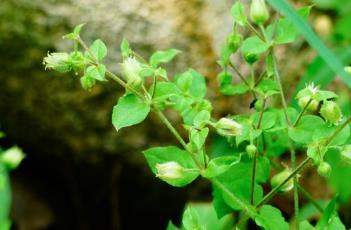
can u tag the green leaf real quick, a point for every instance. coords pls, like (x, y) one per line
(159, 155)
(202, 118)
(285, 29)
(96, 72)
(270, 218)
(220, 165)
(219, 204)
(328, 56)
(330, 219)
(340, 175)
(160, 72)
(203, 216)
(326, 131)
(252, 47)
(171, 226)
(130, 110)
(267, 88)
(269, 119)
(5, 194)
(304, 225)
(238, 180)
(230, 89)
(191, 219)
(75, 34)
(125, 48)
(98, 49)
(303, 132)
(163, 56)
(320, 73)
(192, 82)
(198, 137)
(238, 13)
(2, 134)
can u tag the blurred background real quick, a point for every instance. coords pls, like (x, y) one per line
(78, 172)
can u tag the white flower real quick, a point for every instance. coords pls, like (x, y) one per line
(312, 88)
(131, 70)
(169, 171)
(228, 127)
(12, 157)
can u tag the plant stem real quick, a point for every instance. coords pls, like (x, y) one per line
(295, 184)
(250, 26)
(277, 188)
(261, 113)
(250, 210)
(301, 113)
(278, 80)
(253, 178)
(337, 131)
(236, 70)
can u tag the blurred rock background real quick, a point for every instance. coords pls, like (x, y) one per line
(79, 173)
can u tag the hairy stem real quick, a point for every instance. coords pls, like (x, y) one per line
(337, 131)
(253, 178)
(301, 113)
(277, 188)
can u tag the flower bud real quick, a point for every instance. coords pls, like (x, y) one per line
(131, 69)
(312, 107)
(87, 82)
(324, 169)
(228, 127)
(234, 41)
(278, 178)
(58, 61)
(12, 157)
(251, 151)
(331, 112)
(346, 153)
(169, 171)
(348, 69)
(77, 60)
(258, 11)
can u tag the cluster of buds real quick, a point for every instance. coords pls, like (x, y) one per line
(228, 127)
(329, 110)
(64, 62)
(308, 95)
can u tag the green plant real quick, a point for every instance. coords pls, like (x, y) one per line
(9, 160)
(253, 140)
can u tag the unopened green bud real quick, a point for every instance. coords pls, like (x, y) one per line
(228, 127)
(312, 107)
(258, 11)
(251, 150)
(278, 178)
(87, 82)
(331, 112)
(234, 41)
(324, 169)
(259, 105)
(169, 171)
(12, 157)
(58, 61)
(131, 70)
(250, 58)
(348, 69)
(346, 153)
(77, 61)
